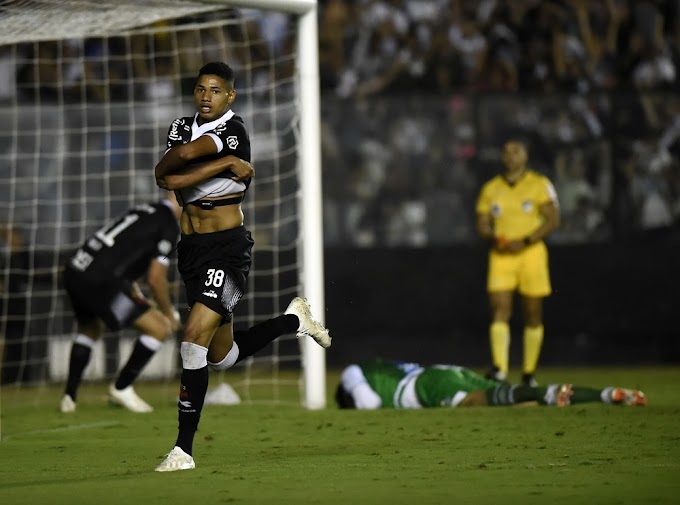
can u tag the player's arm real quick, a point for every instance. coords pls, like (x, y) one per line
(353, 381)
(484, 226)
(157, 278)
(190, 176)
(551, 221)
(485, 230)
(179, 156)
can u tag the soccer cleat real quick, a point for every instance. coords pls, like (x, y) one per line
(175, 460)
(563, 395)
(528, 379)
(128, 399)
(67, 405)
(308, 326)
(629, 397)
(495, 374)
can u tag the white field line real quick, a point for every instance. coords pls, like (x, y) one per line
(74, 427)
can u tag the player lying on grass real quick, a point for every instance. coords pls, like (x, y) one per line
(379, 383)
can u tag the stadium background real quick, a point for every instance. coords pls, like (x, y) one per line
(404, 270)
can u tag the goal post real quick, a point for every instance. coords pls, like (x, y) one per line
(73, 163)
(311, 208)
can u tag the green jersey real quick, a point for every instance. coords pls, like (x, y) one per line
(410, 385)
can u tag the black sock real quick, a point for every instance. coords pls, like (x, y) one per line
(256, 337)
(140, 356)
(524, 393)
(80, 357)
(585, 395)
(506, 394)
(193, 387)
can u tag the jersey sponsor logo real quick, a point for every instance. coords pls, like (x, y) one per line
(232, 141)
(210, 293)
(178, 131)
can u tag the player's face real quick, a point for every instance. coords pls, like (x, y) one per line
(514, 156)
(212, 96)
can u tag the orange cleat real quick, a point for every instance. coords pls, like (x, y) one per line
(563, 395)
(630, 397)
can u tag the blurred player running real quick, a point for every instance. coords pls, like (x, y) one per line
(379, 383)
(100, 280)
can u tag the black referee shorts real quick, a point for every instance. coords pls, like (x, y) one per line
(215, 268)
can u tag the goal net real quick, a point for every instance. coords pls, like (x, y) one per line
(87, 92)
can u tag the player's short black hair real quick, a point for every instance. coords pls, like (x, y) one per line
(219, 69)
(343, 398)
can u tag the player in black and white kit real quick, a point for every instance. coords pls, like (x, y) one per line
(214, 252)
(100, 280)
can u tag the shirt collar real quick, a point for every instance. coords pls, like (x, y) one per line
(197, 130)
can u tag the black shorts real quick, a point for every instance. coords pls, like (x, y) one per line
(215, 267)
(111, 300)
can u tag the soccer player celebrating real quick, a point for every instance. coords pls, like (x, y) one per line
(214, 252)
(379, 383)
(516, 210)
(100, 280)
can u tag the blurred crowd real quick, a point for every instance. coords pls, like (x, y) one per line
(431, 88)
(374, 46)
(369, 47)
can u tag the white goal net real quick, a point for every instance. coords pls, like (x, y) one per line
(87, 91)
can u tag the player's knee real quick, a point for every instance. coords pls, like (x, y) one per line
(161, 330)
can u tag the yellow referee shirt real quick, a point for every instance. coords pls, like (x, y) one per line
(515, 208)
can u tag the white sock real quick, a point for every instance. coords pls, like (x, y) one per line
(194, 356)
(228, 360)
(152, 344)
(84, 340)
(606, 395)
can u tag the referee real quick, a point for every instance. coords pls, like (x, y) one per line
(516, 210)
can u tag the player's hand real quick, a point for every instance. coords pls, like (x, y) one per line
(514, 246)
(179, 133)
(503, 245)
(500, 244)
(241, 169)
(160, 182)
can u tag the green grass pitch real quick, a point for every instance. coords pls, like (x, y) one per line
(263, 454)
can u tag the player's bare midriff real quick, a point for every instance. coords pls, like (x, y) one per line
(197, 220)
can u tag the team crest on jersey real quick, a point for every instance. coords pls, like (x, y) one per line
(232, 141)
(527, 205)
(495, 210)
